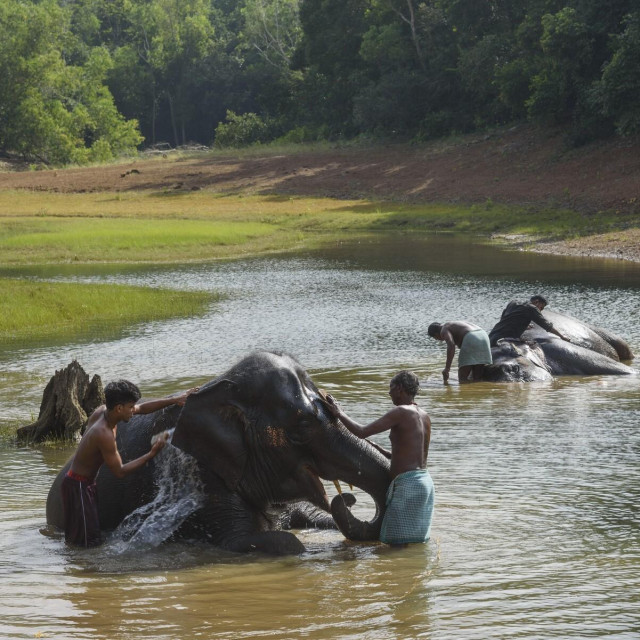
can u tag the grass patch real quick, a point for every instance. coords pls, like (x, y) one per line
(143, 226)
(61, 311)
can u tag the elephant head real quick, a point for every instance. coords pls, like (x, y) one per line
(263, 430)
(517, 362)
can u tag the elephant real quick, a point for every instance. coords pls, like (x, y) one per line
(262, 439)
(540, 356)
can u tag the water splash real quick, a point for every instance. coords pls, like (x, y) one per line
(180, 493)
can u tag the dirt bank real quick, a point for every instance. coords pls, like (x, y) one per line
(518, 165)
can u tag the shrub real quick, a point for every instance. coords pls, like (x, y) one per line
(240, 130)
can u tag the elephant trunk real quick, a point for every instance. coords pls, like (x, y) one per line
(351, 527)
(367, 469)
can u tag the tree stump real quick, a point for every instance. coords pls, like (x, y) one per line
(67, 402)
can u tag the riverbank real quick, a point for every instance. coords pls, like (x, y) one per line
(32, 311)
(590, 195)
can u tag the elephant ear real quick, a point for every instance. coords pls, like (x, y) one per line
(211, 428)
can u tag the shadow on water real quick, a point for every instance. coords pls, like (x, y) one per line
(468, 256)
(397, 251)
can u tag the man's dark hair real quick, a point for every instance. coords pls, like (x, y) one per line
(120, 392)
(537, 298)
(434, 329)
(407, 380)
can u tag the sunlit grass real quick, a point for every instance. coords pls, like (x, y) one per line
(162, 227)
(32, 310)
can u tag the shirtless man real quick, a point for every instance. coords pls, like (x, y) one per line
(410, 496)
(473, 342)
(98, 447)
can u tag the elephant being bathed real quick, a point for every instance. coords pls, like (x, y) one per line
(539, 356)
(262, 439)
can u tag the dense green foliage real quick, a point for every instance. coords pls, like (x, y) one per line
(86, 79)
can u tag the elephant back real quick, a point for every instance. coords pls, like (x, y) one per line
(578, 332)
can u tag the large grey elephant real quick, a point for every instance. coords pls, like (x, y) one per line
(262, 439)
(540, 355)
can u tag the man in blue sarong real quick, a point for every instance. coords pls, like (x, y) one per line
(473, 342)
(411, 494)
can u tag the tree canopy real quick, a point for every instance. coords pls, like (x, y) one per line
(85, 80)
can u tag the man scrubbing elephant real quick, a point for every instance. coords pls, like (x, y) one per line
(410, 497)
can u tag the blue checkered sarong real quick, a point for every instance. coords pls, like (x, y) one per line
(410, 500)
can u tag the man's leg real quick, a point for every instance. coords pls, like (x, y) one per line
(463, 373)
(477, 372)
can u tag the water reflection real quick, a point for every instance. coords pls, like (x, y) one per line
(535, 530)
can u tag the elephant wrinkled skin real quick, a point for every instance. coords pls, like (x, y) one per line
(540, 355)
(262, 439)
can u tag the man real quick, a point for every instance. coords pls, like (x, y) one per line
(411, 495)
(473, 343)
(98, 447)
(517, 316)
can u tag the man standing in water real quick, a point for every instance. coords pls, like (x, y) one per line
(97, 447)
(473, 343)
(517, 316)
(410, 497)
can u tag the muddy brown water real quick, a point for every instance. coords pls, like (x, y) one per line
(536, 531)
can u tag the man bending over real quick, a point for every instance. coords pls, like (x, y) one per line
(98, 447)
(473, 343)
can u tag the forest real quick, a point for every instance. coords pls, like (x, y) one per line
(89, 80)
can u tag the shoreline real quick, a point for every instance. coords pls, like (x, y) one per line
(590, 196)
(621, 245)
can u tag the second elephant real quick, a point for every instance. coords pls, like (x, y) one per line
(542, 356)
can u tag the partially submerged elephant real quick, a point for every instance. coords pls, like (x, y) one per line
(262, 439)
(542, 356)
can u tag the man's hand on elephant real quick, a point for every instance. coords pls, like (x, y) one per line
(157, 446)
(180, 400)
(331, 404)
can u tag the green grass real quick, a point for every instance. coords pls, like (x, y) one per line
(55, 311)
(53, 228)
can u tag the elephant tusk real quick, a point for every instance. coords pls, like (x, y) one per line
(338, 487)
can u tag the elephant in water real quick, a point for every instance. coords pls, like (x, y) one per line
(262, 439)
(541, 355)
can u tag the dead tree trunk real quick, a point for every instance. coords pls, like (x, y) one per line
(67, 402)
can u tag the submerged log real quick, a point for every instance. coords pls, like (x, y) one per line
(67, 402)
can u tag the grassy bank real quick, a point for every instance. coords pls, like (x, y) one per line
(52, 228)
(61, 311)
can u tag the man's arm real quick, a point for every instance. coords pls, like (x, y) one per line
(155, 405)
(541, 321)
(112, 458)
(446, 335)
(385, 452)
(384, 423)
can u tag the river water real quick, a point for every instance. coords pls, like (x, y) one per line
(536, 531)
